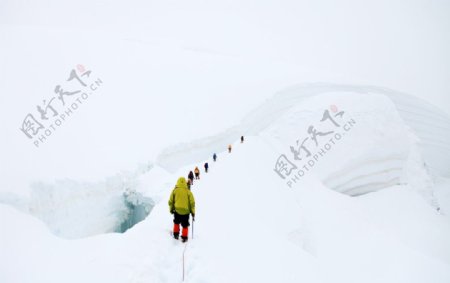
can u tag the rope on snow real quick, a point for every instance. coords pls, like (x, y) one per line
(183, 258)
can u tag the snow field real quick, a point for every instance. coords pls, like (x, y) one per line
(258, 230)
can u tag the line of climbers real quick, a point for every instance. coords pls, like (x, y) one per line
(182, 201)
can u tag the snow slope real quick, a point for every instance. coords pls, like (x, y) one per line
(250, 227)
(326, 237)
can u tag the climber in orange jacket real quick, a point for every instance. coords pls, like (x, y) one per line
(197, 173)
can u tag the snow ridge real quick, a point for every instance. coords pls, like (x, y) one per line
(371, 171)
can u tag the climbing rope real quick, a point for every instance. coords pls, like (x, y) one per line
(184, 251)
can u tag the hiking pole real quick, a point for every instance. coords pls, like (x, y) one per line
(193, 220)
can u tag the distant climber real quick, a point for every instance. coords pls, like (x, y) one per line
(197, 173)
(181, 204)
(206, 167)
(215, 157)
(191, 177)
(229, 148)
(242, 139)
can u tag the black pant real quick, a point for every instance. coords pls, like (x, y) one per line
(181, 219)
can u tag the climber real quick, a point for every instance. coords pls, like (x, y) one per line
(181, 204)
(229, 148)
(197, 173)
(206, 167)
(191, 177)
(215, 157)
